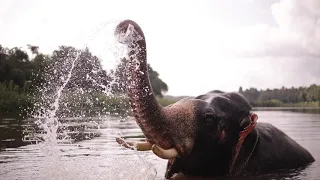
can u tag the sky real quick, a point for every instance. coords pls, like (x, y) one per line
(195, 46)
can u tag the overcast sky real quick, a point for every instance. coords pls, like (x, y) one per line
(196, 46)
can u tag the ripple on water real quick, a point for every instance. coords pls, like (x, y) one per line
(102, 158)
(98, 158)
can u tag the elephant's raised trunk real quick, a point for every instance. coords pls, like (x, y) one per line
(147, 111)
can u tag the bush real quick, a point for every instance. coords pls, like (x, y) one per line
(13, 99)
(269, 103)
(165, 101)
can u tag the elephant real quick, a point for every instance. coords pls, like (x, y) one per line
(211, 135)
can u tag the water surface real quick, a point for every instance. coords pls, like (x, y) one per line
(102, 158)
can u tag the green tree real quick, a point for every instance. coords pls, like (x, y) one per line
(277, 97)
(240, 90)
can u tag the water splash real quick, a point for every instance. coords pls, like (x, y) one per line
(60, 96)
(128, 48)
(51, 124)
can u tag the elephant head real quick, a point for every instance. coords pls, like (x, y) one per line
(188, 130)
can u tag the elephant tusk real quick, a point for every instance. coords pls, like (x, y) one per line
(139, 146)
(164, 154)
(143, 146)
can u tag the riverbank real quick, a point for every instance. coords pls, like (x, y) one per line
(15, 102)
(308, 110)
(166, 100)
(278, 103)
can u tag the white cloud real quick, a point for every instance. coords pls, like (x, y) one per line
(287, 54)
(297, 32)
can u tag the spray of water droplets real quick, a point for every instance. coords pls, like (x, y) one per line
(75, 87)
(130, 50)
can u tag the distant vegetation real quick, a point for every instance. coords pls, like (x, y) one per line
(167, 99)
(30, 81)
(284, 97)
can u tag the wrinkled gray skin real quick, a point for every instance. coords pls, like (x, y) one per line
(204, 130)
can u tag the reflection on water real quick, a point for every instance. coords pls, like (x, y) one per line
(302, 127)
(11, 132)
(16, 132)
(96, 158)
(101, 158)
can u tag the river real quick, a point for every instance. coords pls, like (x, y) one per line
(101, 157)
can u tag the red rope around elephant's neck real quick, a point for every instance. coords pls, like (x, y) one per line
(242, 136)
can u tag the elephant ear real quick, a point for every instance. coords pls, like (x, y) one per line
(172, 168)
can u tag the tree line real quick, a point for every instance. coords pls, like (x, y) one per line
(28, 78)
(301, 96)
